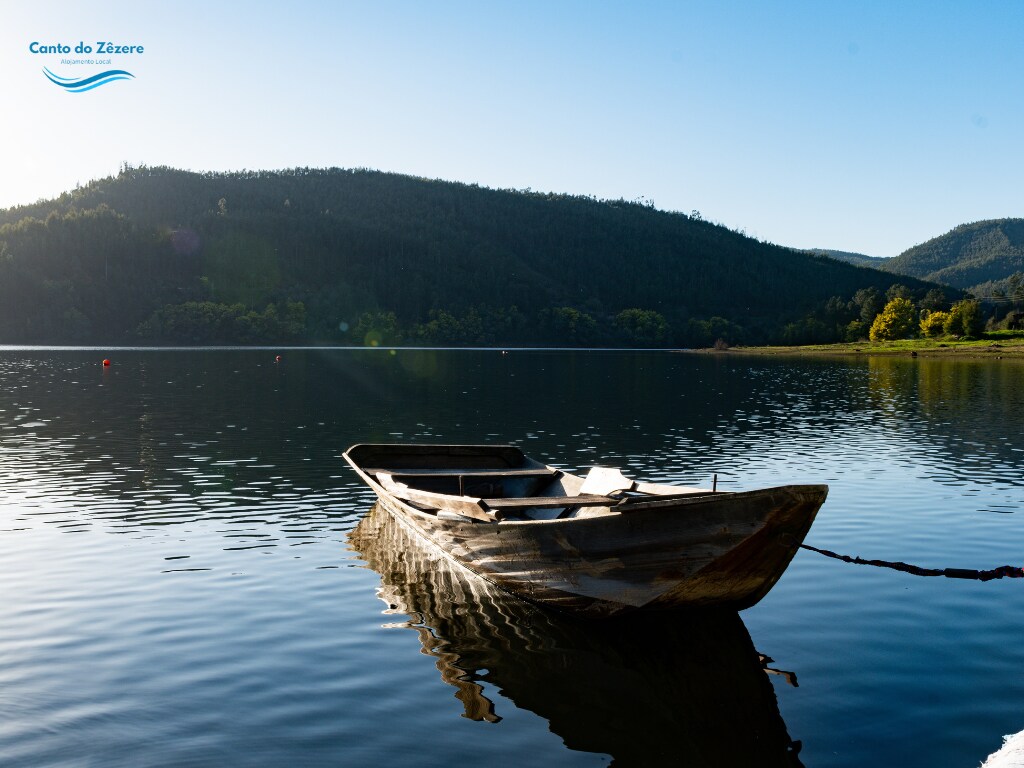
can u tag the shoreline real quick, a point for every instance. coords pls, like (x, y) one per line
(995, 348)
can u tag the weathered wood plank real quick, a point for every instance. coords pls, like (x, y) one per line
(467, 472)
(550, 501)
(663, 501)
(464, 505)
(424, 456)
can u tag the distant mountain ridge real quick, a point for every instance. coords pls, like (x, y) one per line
(978, 257)
(858, 259)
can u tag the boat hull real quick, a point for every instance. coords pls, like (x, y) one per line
(653, 689)
(724, 549)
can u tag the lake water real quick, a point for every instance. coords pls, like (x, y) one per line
(183, 583)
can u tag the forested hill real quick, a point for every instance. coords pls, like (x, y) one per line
(979, 257)
(356, 256)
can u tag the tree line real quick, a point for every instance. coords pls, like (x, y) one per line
(355, 256)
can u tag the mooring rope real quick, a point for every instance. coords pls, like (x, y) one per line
(1002, 572)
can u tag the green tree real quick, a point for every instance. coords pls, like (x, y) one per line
(837, 312)
(898, 320)
(441, 328)
(207, 322)
(935, 300)
(644, 327)
(897, 291)
(704, 333)
(871, 304)
(568, 325)
(965, 320)
(1015, 284)
(856, 330)
(377, 329)
(810, 330)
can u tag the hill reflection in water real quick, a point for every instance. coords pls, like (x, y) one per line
(647, 690)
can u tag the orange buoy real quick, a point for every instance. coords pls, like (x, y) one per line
(106, 363)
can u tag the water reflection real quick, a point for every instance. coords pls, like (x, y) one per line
(955, 417)
(651, 690)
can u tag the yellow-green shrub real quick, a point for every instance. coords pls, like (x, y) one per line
(897, 321)
(933, 324)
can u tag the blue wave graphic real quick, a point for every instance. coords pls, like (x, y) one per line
(51, 75)
(80, 85)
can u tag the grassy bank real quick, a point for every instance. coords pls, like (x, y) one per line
(997, 344)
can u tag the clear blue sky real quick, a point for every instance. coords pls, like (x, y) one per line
(861, 126)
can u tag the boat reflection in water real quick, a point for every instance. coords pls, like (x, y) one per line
(647, 689)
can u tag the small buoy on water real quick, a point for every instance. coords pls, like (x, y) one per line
(277, 358)
(106, 363)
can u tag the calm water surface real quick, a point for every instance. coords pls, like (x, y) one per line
(183, 583)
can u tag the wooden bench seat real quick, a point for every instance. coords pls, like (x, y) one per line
(550, 501)
(468, 472)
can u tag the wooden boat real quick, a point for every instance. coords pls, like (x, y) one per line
(597, 545)
(650, 689)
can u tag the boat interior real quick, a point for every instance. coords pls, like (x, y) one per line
(499, 483)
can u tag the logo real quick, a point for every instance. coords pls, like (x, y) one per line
(82, 84)
(69, 54)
